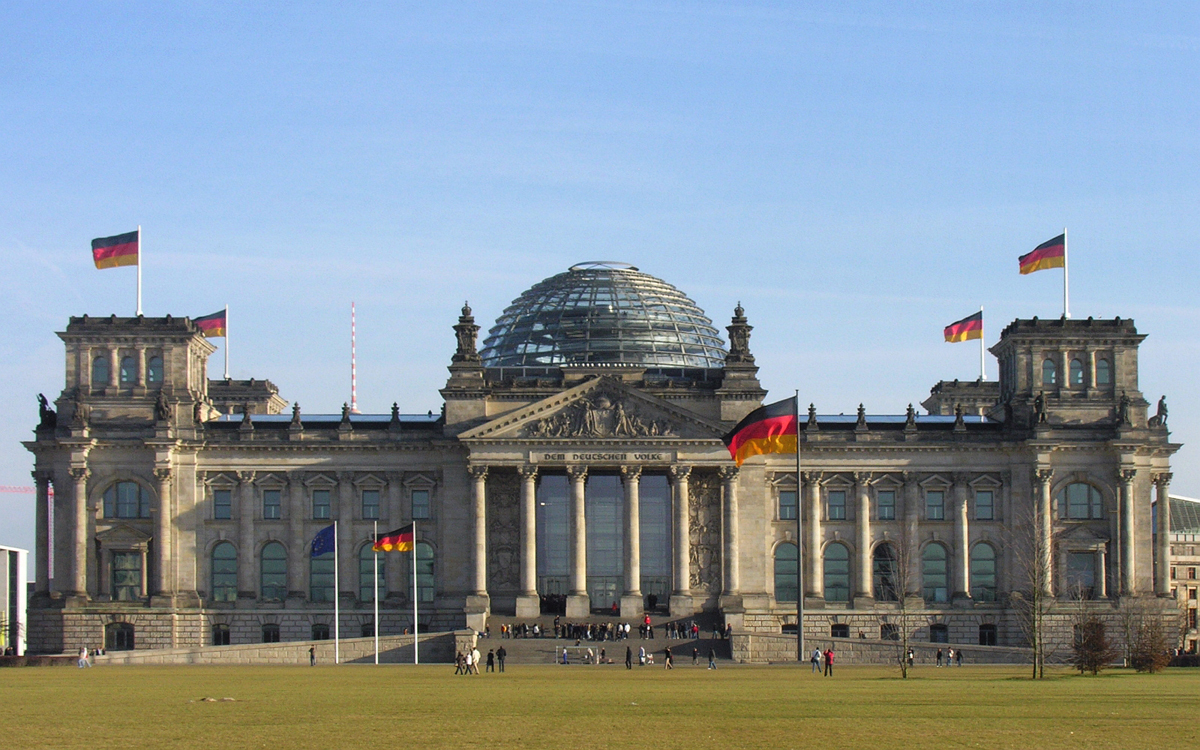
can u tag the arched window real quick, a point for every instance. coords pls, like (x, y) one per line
(983, 572)
(884, 569)
(118, 636)
(154, 371)
(1080, 501)
(1103, 372)
(321, 585)
(320, 631)
(837, 573)
(128, 371)
(126, 500)
(366, 571)
(785, 572)
(425, 579)
(224, 573)
(934, 578)
(1049, 372)
(273, 572)
(100, 371)
(270, 632)
(1076, 372)
(220, 634)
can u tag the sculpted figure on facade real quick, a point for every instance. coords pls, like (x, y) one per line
(704, 531)
(599, 416)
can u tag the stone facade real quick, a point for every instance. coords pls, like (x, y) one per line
(586, 486)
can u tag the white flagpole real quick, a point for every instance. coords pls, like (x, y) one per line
(800, 646)
(227, 342)
(337, 610)
(1066, 286)
(416, 640)
(374, 539)
(139, 270)
(982, 339)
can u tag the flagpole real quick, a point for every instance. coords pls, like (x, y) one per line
(227, 342)
(337, 610)
(1066, 286)
(375, 538)
(982, 338)
(139, 270)
(416, 640)
(800, 648)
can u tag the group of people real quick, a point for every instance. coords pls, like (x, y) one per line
(822, 657)
(468, 663)
(606, 631)
(952, 657)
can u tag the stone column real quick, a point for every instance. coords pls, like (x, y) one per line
(347, 585)
(1101, 574)
(912, 537)
(164, 580)
(528, 604)
(141, 365)
(479, 529)
(114, 367)
(1129, 585)
(961, 580)
(79, 533)
(813, 552)
(681, 595)
(862, 525)
(732, 582)
(298, 549)
(1045, 532)
(631, 599)
(578, 602)
(41, 545)
(394, 570)
(1162, 486)
(245, 570)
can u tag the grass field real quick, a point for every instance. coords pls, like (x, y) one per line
(593, 707)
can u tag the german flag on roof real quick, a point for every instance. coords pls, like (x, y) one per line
(767, 429)
(1049, 254)
(118, 250)
(970, 327)
(400, 540)
(211, 326)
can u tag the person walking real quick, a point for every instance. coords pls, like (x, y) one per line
(500, 654)
(641, 656)
(950, 657)
(695, 656)
(491, 660)
(958, 658)
(459, 660)
(911, 656)
(667, 663)
(628, 657)
(939, 657)
(312, 656)
(83, 658)
(815, 660)
(469, 663)
(829, 662)
(712, 658)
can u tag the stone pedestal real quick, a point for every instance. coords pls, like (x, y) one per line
(632, 606)
(477, 608)
(682, 605)
(579, 605)
(863, 602)
(528, 606)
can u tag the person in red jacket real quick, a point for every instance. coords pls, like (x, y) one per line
(829, 662)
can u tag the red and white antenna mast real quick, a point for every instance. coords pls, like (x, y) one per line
(353, 364)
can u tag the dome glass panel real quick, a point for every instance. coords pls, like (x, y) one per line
(603, 313)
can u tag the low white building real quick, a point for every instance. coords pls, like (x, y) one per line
(14, 574)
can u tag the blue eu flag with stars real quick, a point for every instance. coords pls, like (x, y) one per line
(323, 542)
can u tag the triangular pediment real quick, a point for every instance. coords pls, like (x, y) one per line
(1082, 536)
(122, 535)
(600, 409)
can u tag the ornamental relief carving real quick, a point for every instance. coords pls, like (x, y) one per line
(601, 415)
(503, 530)
(704, 532)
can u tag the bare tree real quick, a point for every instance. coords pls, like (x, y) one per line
(1091, 647)
(1032, 593)
(904, 585)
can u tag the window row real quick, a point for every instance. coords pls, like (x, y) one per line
(127, 371)
(935, 573)
(884, 504)
(1076, 376)
(273, 570)
(938, 632)
(320, 504)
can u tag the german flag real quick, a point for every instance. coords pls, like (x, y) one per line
(767, 429)
(1049, 254)
(400, 540)
(111, 252)
(970, 327)
(211, 326)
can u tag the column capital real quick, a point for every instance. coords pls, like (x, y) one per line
(631, 473)
(680, 472)
(961, 477)
(528, 471)
(296, 476)
(80, 473)
(345, 476)
(812, 477)
(477, 471)
(245, 477)
(728, 473)
(577, 473)
(1162, 480)
(863, 477)
(1044, 475)
(42, 475)
(162, 473)
(1127, 475)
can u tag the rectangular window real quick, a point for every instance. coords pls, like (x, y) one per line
(271, 504)
(1081, 574)
(885, 503)
(984, 505)
(1191, 574)
(126, 576)
(420, 504)
(222, 504)
(321, 585)
(1191, 619)
(935, 505)
(787, 505)
(1192, 594)
(836, 505)
(370, 505)
(320, 504)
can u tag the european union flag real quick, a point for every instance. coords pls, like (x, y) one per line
(323, 542)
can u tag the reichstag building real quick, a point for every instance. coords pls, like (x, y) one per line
(577, 467)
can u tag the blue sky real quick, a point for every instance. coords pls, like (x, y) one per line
(858, 175)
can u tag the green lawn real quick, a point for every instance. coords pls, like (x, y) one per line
(284, 708)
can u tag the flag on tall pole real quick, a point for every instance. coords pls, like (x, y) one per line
(216, 326)
(767, 429)
(375, 559)
(400, 540)
(1050, 254)
(326, 541)
(120, 250)
(970, 327)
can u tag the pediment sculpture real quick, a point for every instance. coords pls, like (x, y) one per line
(601, 415)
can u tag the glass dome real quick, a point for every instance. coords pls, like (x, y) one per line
(603, 313)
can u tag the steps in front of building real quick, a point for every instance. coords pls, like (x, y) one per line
(549, 650)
